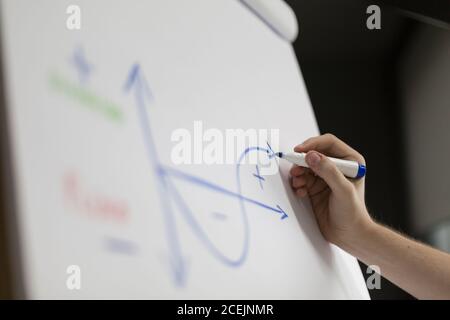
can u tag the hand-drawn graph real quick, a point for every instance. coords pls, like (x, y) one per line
(172, 200)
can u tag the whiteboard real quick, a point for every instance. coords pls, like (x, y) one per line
(91, 113)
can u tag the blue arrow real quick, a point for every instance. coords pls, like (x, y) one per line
(212, 186)
(283, 213)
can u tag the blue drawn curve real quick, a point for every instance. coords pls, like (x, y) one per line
(170, 196)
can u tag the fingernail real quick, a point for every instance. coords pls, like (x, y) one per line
(313, 159)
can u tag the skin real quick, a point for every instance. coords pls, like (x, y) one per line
(340, 210)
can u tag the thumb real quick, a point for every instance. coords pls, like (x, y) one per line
(327, 170)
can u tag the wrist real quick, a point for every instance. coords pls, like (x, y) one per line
(363, 228)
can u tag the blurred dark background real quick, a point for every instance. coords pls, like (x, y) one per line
(355, 79)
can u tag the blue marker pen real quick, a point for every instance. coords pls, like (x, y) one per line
(350, 169)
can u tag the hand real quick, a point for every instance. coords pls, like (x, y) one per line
(338, 205)
(337, 202)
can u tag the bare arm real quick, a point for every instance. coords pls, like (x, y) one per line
(420, 270)
(339, 208)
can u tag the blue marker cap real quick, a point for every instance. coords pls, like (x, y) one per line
(361, 171)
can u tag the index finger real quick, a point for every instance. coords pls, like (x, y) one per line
(332, 146)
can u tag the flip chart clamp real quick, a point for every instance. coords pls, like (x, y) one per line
(277, 15)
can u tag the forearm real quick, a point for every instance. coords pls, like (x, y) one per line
(420, 270)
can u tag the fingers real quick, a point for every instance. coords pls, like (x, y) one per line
(331, 146)
(305, 182)
(298, 182)
(302, 192)
(327, 170)
(297, 171)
